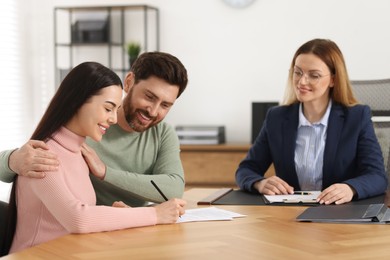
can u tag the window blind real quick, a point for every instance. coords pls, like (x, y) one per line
(11, 88)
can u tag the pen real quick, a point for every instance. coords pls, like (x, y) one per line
(301, 193)
(159, 191)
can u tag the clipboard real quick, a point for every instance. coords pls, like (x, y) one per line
(301, 197)
(372, 213)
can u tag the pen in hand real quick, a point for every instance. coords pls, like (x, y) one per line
(159, 191)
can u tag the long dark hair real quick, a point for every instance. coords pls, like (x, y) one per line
(82, 82)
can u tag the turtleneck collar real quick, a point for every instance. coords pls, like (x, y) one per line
(68, 139)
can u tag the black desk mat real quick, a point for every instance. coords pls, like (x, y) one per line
(239, 197)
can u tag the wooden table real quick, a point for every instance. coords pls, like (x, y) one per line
(268, 232)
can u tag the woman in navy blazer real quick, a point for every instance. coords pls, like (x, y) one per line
(320, 139)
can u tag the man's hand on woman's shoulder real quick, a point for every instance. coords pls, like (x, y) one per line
(33, 159)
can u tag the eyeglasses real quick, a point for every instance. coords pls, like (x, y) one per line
(311, 78)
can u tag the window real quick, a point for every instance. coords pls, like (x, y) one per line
(11, 88)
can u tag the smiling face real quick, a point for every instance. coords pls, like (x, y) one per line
(96, 115)
(312, 79)
(146, 104)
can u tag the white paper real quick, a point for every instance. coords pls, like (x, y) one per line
(208, 214)
(294, 198)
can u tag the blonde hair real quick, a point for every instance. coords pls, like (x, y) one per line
(331, 55)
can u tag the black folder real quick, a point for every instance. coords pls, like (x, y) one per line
(228, 196)
(348, 213)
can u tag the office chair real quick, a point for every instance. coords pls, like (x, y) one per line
(376, 94)
(382, 131)
(3, 217)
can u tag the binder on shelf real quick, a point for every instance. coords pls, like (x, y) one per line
(201, 134)
(90, 31)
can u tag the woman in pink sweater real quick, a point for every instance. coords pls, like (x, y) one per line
(64, 201)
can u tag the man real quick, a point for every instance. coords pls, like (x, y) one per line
(138, 149)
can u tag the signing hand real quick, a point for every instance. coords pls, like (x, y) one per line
(33, 159)
(96, 166)
(168, 212)
(338, 193)
(273, 186)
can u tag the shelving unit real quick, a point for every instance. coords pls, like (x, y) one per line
(136, 23)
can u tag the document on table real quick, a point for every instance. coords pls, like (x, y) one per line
(208, 214)
(299, 197)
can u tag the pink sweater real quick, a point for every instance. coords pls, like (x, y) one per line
(64, 201)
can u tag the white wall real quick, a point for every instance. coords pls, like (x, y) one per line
(233, 56)
(237, 56)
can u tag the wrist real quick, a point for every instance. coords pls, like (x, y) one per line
(11, 165)
(256, 186)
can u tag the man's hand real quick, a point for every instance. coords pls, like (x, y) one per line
(273, 186)
(339, 193)
(33, 159)
(96, 166)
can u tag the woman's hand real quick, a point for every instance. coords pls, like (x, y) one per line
(168, 212)
(337, 193)
(273, 186)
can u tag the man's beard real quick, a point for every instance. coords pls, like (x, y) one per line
(131, 115)
(132, 121)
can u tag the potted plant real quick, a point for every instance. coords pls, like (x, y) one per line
(133, 50)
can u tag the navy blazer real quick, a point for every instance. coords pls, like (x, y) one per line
(352, 153)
